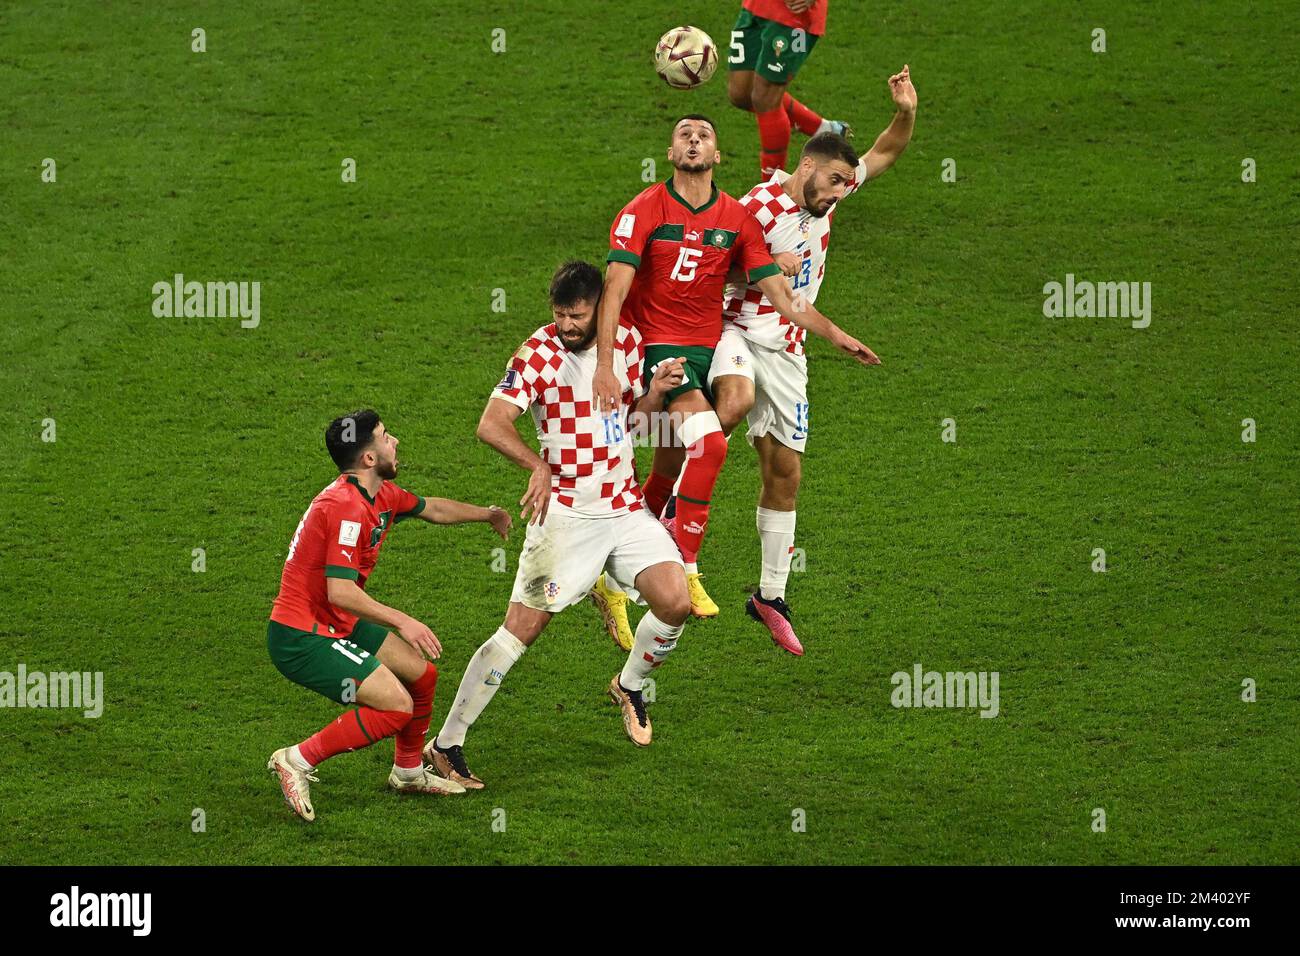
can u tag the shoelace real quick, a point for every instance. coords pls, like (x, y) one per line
(776, 604)
(638, 705)
(457, 757)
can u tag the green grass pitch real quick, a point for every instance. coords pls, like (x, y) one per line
(479, 171)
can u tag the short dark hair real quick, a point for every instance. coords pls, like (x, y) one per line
(830, 145)
(576, 281)
(348, 436)
(695, 116)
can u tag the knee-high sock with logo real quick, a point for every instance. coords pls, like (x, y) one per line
(774, 137)
(656, 491)
(410, 739)
(654, 641)
(483, 675)
(776, 534)
(808, 122)
(351, 731)
(706, 451)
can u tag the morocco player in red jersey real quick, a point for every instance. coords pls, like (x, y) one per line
(670, 251)
(769, 43)
(328, 635)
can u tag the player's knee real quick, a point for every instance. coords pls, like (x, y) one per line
(402, 700)
(676, 608)
(781, 482)
(427, 680)
(731, 410)
(788, 473)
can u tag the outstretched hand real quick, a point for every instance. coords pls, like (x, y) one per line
(500, 521)
(902, 90)
(851, 346)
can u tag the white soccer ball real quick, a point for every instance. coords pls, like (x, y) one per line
(685, 57)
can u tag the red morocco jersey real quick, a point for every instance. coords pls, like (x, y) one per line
(813, 20)
(339, 536)
(682, 255)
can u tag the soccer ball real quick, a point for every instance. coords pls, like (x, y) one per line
(685, 57)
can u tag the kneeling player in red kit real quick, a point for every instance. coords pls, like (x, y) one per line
(328, 635)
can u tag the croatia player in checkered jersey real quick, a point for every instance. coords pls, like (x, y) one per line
(759, 371)
(587, 513)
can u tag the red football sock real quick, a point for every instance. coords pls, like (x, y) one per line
(704, 461)
(774, 136)
(352, 731)
(410, 739)
(656, 491)
(801, 116)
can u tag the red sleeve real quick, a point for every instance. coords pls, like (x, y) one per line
(630, 231)
(403, 503)
(751, 251)
(347, 525)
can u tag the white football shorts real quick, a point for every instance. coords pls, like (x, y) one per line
(562, 558)
(780, 387)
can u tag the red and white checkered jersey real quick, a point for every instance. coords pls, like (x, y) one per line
(787, 227)
(593, 463)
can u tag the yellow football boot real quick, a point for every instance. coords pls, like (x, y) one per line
(701, 604)
(613, 611)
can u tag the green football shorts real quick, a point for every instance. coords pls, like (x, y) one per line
(333, 667)
(772, 50)
(698, 359)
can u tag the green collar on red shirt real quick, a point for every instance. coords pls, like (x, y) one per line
(352, 480)
(713, 197)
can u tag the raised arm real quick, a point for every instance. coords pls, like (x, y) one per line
(618, 282)
(890, 144)
(497, 429)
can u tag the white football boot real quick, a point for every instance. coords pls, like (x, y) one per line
(426, 782)
(294, 784)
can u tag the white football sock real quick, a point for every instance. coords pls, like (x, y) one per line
(776, 532)
(613, 585)
(409, 773)
(691, 567)
(654, 641)
(483, 675)
(298, 760)
(824, 127)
